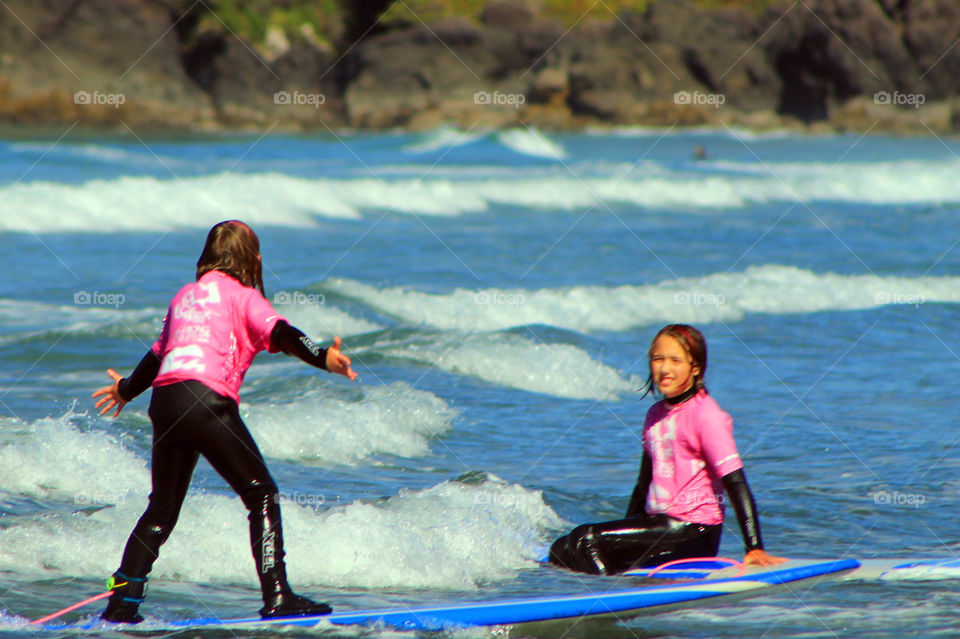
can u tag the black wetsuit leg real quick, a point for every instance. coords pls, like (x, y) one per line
(189, 419)
(612, 547)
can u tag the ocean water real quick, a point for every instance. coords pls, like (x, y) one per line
(497, 292)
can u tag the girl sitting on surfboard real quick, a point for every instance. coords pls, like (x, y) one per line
(213, 330)
(689, 456)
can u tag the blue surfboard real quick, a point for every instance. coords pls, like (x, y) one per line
(724, 583)
(893, 569)
(907, 569)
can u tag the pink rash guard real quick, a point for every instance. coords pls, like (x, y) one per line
(691, 446)
(213, 330)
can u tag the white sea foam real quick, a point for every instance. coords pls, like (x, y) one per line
(146, 203)
(53, 458)
(531, 142)
(311, 314)
(395, 419)
(442, 139)
(9, 621)
(903, 182)
(96, 312)
(108, 154)
(453, 535)
(735, 133)
(116, 205)
(510, 360)
(770, 289)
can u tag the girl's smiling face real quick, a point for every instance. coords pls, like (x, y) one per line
(671, 368)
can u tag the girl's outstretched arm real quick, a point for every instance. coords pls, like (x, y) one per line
(124, 389)
(339, 363)
(292, 341)
(110, 395)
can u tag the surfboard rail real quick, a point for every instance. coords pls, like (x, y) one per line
(692, 584)
(622, 603)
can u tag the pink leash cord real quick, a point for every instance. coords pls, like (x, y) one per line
(80, 604)
(677, 562)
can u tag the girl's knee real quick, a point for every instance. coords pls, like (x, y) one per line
(258, 496)
(581, 534)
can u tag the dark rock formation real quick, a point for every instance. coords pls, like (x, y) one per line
(860, 64)
(94, 61)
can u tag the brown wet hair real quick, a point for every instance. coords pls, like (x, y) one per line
(233, 248)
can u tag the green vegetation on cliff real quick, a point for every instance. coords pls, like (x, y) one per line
(569, 12)
(337, 23)
(321, 21)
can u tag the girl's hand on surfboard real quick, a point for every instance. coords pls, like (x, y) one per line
(110, 395)
(759, 557)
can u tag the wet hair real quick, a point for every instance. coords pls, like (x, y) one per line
(233, 248)
(695, 346)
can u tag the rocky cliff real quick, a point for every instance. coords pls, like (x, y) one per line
(152, 64)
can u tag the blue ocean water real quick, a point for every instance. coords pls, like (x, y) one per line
(497, 292)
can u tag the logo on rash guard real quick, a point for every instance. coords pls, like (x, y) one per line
(193, 308)
(183, 358)
(658, 499)
(192, 333)
(313, 348)
(662, 436)
(660, 439)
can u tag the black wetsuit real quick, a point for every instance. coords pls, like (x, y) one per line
(189, 420)
(642, 539)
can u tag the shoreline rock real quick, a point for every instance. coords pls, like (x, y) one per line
(843, 65)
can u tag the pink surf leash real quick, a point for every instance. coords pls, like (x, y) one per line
(80, 604)
(677, 562)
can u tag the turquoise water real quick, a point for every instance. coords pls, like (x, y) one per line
(497, 292)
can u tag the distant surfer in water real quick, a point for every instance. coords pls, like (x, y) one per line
(214, 328)
(689, 457)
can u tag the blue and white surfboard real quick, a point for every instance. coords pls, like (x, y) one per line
(688, 585)
(723, 582)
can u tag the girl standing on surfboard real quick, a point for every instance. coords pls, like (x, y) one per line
(689, 457)
(213, 330)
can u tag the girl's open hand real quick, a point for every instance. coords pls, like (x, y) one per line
(339, 363)
(759, 557)
(110, 395)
